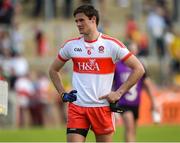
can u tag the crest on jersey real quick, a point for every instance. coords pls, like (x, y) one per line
(101, 49)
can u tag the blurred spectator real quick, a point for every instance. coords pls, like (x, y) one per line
(167, 17)
(68, 8)
(7, 66)
(142, 41)
(20, 67)
(17, 38)
(50, 9)
(131, 44)
(36, 107)
(6, 12)
(46, 99)
(41, 43)
(25, 90)
(38, 6)
(46, 8)
(131, 26)
(5, 41)
(135, 36)
(175, 52)
(176, 12)
(156, 28)
(169, 36)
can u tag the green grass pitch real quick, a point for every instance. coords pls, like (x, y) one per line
(153, 133)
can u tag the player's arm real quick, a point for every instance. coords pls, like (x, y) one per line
(56, 79)
(55, 76)
(136, 74)
(148, 86)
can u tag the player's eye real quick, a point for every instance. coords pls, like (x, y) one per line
(81, 20)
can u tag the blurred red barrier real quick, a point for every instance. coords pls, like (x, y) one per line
(169, 107)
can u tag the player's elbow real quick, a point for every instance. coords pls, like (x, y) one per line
(52, 71)
(141, 70)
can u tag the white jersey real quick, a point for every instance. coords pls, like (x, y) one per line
(93, 67)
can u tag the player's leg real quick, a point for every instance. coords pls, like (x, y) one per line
(102, 123)
(77, 124)
(130, 126)
(104, 138)
(76, 135)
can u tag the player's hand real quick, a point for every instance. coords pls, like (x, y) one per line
(112, 97)
(69, 97)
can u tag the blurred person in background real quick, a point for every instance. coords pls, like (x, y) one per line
(7, 66)
(156, 27)
(20, 67)
(6, 12)
(25, 90)
(131, 26)
(41, 43)
(67, 8)
(45, 98)
(36, 106)
(37, 8)
(17, 38)
(129, 102)
(133, 34)
(94, 56)
(174, 49)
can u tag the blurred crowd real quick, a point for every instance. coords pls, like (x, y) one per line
(33, 94)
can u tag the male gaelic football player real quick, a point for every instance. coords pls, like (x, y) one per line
(94, 56)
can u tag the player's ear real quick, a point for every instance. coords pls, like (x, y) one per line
(93, 19)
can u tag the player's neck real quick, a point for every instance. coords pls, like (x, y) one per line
(91, 36)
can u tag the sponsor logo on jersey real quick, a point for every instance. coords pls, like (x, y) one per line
(98, 65)
(91, 65)
(77, 49)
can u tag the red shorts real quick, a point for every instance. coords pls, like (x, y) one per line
(100, 119)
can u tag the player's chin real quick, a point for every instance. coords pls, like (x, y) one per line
(81, 32)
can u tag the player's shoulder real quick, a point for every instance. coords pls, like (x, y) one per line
(113, 40)
(71, 41)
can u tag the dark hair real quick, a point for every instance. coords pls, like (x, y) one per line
(89, 11)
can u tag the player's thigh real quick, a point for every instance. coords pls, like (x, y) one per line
(102, 120)
(76, 118)
(104, 138)
(75, 138)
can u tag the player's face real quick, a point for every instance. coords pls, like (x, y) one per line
(84, 24)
